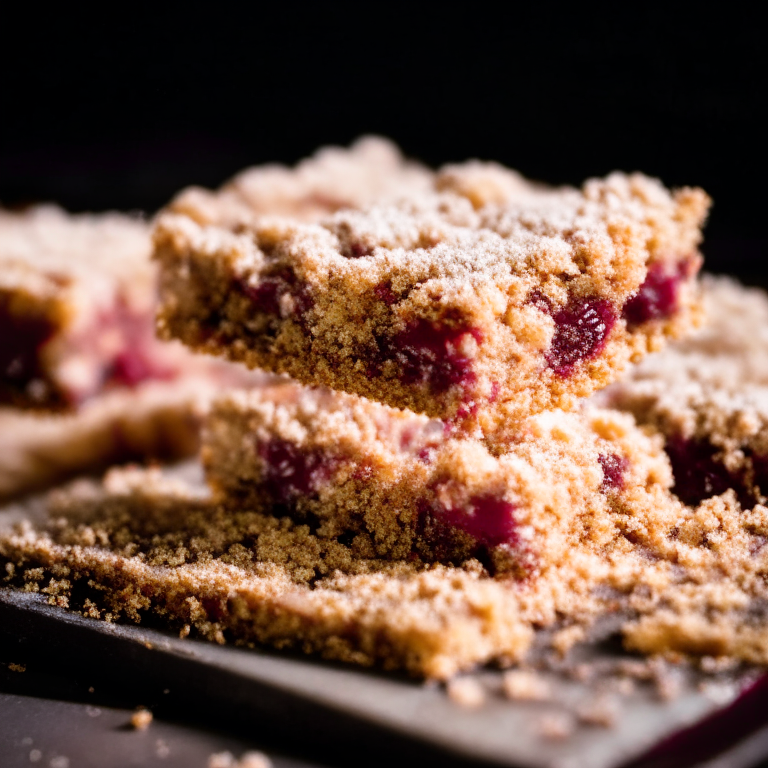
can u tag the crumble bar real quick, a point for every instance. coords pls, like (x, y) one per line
(481, 300)
(77, 299)
(708, 396)
(394, 485)
(142, 544)
(146, 546)
(157, 420)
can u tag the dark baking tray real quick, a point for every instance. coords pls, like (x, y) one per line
(391, 718)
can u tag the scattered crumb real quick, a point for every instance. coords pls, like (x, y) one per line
(248, 760)
(59, 762)
(635, 668)
(17, 667)
(26, 741)
(91, 689)
(255, 760)
(466, 692)
(601, 711)
(162, 750)
(221, 760)
(141, 719)
(166, 690)
(719, 692)
(93, 711)
(35, 755)
(565, 639)
(525, 686)
(714, 664)
(625, 686)
(582, 672)
(556, 726)
(667, 680)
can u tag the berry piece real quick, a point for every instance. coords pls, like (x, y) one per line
(430, 354)
(581, 329)
(487, 519)
(268, 293)
(20, 343)
(614, 466)
(291, 473)
(656, 299)
(699, 474)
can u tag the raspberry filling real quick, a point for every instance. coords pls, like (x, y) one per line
(21, 340)
(291, 473)
(267, 295)
(581, 330)
(383, 292)
(118, 349)
(430, 354)
(140, 357)
(658, 297)
(614, 466)
(699, 474)
(486, 519)
(356, 250)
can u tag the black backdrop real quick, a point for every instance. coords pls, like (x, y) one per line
(120, 111)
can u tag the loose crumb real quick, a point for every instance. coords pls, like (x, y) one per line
(93, 711)
(59, 762)
(601, 711)
(556, 726)
(566, 638)
(466, 692)
(248, 760)
(162, 750)
(720, 693)
(17, 667)
(141, 719)
(525, 686)
(255, 760)
(35, 755)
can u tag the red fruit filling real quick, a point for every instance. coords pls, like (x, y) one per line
(355, 250)
(267, 294)
(383, 292)
(488, 520)
(614, 466)
(429, 354)
(291, 473)
(760, 472)
(581, 329)
(658, 297)
(20, 342)
(699, 474)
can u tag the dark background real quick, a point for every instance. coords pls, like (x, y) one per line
(102, 112)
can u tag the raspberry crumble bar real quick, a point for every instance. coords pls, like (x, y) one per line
(480, 301)
(77, 298)
(708, 396)
(393, 485)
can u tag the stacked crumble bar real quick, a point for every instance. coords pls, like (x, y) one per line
(480, 300)
(475, 495)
